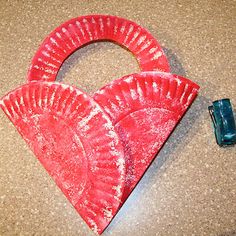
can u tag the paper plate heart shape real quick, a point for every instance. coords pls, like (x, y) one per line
(97, 149)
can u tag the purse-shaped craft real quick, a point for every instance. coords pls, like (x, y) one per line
(97, 148)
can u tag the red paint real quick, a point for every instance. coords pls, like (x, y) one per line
(79, 31)
(74, 138)
(76, 143)
(97, 149)
(144, 109)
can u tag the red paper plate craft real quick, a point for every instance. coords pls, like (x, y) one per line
(76, 143)
(73, 34)
(97, 148)
(145, 108)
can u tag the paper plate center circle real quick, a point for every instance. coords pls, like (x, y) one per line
(60, 151)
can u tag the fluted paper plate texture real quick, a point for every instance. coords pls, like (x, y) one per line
(145, 108)
(76, 143)
(79, 31)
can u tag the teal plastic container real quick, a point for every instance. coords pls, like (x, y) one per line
(224, 123)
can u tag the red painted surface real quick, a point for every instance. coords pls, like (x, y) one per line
(76, 143)
(97, 149)
(144, 109)
(77, 32)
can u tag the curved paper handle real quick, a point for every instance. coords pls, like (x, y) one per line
(77, 32)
